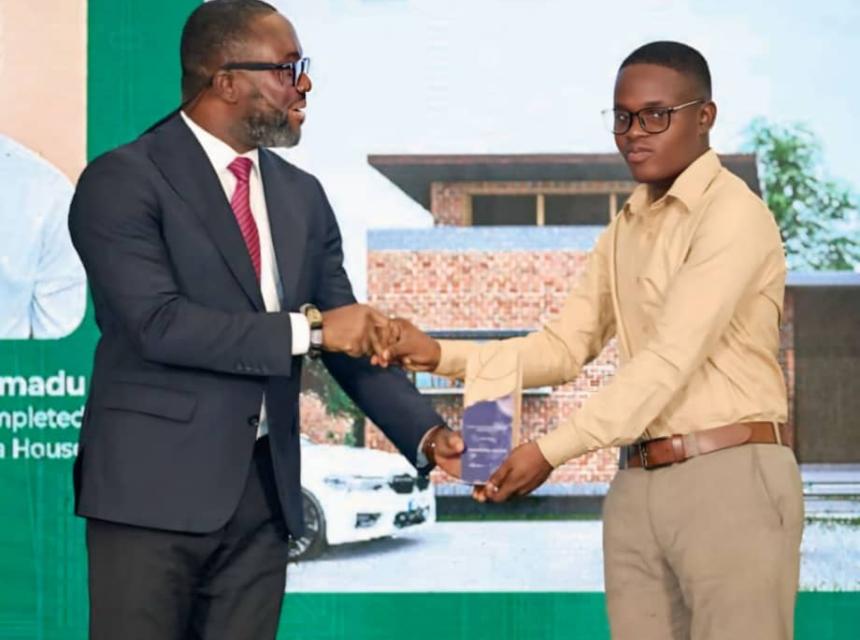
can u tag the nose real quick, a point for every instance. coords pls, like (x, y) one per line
(636, 131)
(304, 85)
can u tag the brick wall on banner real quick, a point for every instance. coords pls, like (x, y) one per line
(499, 290)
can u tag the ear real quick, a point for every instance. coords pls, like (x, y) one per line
(224, 86)
(707, 116)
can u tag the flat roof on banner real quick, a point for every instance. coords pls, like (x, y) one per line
(817, 279)
(413, 173)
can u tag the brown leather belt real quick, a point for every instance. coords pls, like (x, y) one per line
(662, 452)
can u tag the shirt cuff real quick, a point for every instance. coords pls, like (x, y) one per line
(561, 445)
(421, 460)
(301, 334)
(453, 357)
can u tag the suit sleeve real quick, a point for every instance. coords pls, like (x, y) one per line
(386, 395)
(115, 224)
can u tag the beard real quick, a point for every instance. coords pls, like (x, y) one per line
(269, 127)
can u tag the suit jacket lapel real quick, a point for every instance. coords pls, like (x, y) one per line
(288, 224)
(184, 164)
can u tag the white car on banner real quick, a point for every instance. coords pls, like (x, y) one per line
(353, 494)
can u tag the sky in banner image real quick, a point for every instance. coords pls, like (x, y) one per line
(517, 76)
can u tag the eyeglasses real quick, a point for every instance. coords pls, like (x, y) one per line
(651, 119)
(287, 72)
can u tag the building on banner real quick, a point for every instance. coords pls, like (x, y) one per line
(511, 235)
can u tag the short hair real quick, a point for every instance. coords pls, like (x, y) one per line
(214, 31)
(674, 55)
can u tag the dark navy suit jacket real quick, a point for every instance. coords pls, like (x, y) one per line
(187, 350)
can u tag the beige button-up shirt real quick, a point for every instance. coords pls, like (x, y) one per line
(692, 285)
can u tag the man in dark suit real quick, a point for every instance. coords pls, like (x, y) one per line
(209, 259)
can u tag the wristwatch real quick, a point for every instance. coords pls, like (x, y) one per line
(315, 322)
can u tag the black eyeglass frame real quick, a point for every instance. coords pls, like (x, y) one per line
(297, 68)
(638, 115)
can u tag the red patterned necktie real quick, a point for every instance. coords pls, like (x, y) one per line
(241, 204)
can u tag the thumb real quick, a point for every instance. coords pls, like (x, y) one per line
(453, 444)
(378, 318)
(500, 474)
(395, 351)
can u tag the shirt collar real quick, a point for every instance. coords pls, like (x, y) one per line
(220, 153)
(688, 188)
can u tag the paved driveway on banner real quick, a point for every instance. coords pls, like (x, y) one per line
(527, 556)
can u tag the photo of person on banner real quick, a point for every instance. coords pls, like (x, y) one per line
(42, 282)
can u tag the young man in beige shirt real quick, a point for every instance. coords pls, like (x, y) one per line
(702, 525)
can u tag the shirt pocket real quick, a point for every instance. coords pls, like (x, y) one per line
(652, 284)
(667, 258)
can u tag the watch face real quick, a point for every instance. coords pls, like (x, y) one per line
(314, 317)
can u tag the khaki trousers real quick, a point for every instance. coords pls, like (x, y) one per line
(708, 549)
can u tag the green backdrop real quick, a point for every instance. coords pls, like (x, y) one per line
(133, 80)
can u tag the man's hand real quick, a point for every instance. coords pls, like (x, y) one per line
(408, 346)
(524, 470)
(444, 447)
(357, 330)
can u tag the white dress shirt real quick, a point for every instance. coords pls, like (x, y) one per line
(221, 154)
(42, 282)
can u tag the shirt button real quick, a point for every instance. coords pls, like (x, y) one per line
(254, 421)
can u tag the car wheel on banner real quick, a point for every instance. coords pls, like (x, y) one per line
(313, 542)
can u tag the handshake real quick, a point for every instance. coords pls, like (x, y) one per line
(360, 330)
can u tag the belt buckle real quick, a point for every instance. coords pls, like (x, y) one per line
(643, 454)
